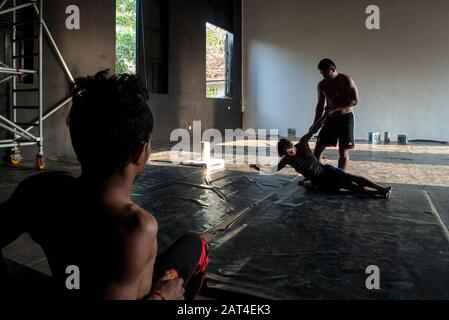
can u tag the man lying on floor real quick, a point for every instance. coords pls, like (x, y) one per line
(91, 222)
(325, 177)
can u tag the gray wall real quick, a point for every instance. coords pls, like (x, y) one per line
(93, 48)
(186, 101)
(401, 70)
(86, 51)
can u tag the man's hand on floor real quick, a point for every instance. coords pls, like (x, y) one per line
(255, 167)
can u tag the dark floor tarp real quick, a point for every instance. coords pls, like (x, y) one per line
(302, 244)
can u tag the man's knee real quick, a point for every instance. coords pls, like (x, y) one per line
(195, 240)
(190, 237)
(198, 244)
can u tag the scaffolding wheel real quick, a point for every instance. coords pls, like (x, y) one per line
(40, 163)
(15, 159)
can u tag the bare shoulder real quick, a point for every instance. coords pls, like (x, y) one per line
(138, 223)
(347, 79)
(321, 84)
(137, 232)
(134, 251)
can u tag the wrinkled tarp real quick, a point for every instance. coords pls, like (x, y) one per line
(293, 243)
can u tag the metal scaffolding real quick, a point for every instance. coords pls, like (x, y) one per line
(20, 131)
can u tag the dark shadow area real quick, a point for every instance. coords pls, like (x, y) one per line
(292, 242)
(25, 283)
(195, 205)
(303, 244)
(310, 245)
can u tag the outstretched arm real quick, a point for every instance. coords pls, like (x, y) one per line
(316, 126)
(320, 104)
(281, 165)
(304, 147)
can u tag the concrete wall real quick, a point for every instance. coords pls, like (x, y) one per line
(92, 48)
(401, 70)
(186, 99)
(86, 51)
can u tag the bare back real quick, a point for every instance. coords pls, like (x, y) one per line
(114, 247)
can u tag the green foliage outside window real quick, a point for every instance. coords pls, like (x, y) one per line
(215, 52)
(126, 36)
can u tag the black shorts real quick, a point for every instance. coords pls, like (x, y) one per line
(330, 180)
(189, 257)
(339, 129)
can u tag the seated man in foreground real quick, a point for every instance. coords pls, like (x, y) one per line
(326, 177)
(91, 222)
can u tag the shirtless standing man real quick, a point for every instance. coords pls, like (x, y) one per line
(339, 93)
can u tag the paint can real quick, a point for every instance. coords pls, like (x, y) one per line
(387, 138)
(374, 137)
(291, 134)
(402, 139)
